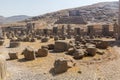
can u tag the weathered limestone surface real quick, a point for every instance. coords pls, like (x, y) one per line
(61, 65)
(13, 55)
(2, 68)
(29, 53)
(42, 52)
(61, 46)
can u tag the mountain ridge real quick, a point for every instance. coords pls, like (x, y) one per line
(95, 13)
(99, 12)
(12, 19)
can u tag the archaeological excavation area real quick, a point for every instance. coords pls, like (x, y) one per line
(63, 52)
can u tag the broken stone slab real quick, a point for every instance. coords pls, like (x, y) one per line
(1, 42)
(56, 38)
(13, 55)
(14, 44)
(89, 45)
(79, 54)
(71, 51)
(26, 39)
(44, 47)
(51, 46)
(29, 53)
(102, 45)
(61, 65)
(91, 50)
(61, 46)
(42, 52)
(101, 52)
(44, 39)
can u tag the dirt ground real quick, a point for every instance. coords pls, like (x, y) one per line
(99, 67)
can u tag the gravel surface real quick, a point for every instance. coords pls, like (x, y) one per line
(106, 67)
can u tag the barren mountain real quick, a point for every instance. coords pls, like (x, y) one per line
(100, 12)
(96, 13)
(13, 18)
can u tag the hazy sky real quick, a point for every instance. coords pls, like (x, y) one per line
(37, 7)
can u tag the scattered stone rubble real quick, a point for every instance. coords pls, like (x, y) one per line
(74, 42)
(82, 44)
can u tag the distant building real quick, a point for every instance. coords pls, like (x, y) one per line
(71, 20)
(74, 13)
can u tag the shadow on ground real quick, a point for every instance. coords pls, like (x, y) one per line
(23, 60)
(53, 72)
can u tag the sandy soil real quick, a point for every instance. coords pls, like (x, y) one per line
(105, 67)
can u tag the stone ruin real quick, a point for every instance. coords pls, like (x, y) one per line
(84, 43)
(1, 42)
(29, 33)
(91, 31)
(61, 46)
(14, 44)
(13, 55)
(105, 30)
(42, 52)
(61, 65)
(29, 53)
(74, 41)
(21, 33)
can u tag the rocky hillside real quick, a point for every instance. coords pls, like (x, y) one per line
(100, 12)
(12, 19)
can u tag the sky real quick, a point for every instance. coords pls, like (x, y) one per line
(39, 7)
